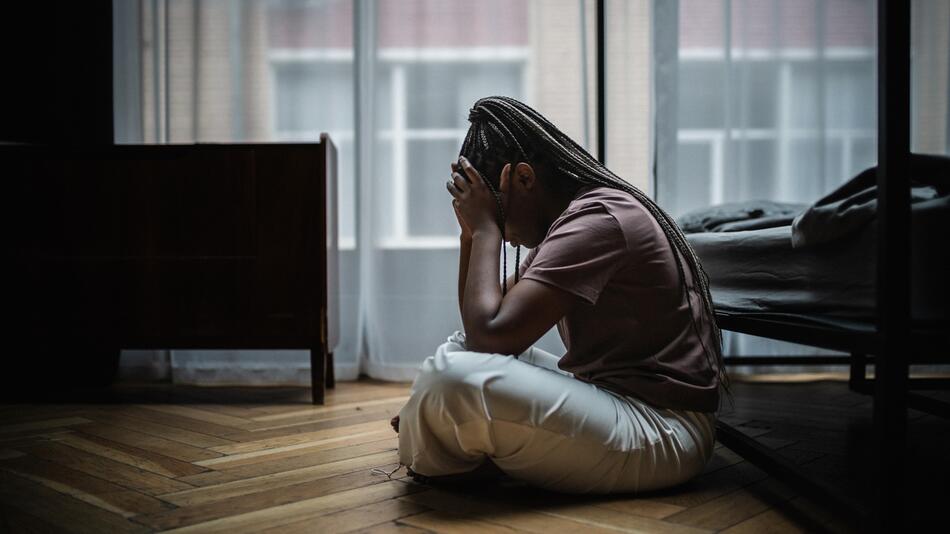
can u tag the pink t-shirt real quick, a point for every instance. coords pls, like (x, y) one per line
(632, 333)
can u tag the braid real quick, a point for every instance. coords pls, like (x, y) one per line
(504, 129)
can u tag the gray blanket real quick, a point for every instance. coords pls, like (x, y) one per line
(839, 214)
(739, 216)
(853, 205)
(833, 269)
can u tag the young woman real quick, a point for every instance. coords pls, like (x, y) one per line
(632, 404)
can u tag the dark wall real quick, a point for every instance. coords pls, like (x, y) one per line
(56, 72)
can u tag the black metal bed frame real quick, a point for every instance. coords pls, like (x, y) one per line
(890, 338)
(892, 393)
(894, 336)
(895, 341)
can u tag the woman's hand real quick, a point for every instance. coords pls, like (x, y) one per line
(474, 202)
(466, 231)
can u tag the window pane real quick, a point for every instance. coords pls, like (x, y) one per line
(430, 207)
(755, 94)
(701, 94)
(694, 166)
(851, 95)
(440, 94)
(803, 102)
(864, 154)
(804, 170)
(384, 97)
(384, 192)
(314, 96)
(346, 194)
(835, 173)
(485, 79)
(756, 176)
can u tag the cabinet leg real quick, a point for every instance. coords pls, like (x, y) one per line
(331, 377)
(318, 378)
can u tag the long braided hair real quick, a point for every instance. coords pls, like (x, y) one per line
(506, 130)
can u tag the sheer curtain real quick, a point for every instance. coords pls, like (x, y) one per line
(777, 100)
(417, 84)
(392, 81)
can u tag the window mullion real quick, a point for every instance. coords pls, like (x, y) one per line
(784, 120)
(400, 153)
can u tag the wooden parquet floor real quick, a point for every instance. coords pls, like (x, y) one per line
(155, 458)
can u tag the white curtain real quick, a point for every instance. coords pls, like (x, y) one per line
(725, 100)
(777, 100)
(392, 82)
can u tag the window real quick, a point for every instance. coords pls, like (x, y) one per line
(776, 100)
(783, 116)
(284, 70)
(311, 93)
(421, 106)
(428, 101)
(425, 83)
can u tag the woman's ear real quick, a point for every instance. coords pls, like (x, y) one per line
(523, 175)
(504, 181)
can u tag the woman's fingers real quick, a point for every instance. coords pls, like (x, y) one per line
(450, 185)
(460, 182)
(458, 168)
(457, 185)
(470, 171)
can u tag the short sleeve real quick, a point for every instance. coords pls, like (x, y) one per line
(581, 252)
(526, 262)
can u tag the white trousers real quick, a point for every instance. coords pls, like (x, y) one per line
(541, 425)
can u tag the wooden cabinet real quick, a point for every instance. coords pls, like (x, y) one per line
(172, 246)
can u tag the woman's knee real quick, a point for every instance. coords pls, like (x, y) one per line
(444, 371)
(457, 381)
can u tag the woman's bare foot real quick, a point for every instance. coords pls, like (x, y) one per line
(486, 473)
(421, 479)
(395, 423)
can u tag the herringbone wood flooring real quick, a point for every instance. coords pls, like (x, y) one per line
(263, 459)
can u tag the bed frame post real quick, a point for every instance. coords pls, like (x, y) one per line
(893, 261)
(601, 11)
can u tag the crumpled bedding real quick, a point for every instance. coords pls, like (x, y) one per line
(739, 216)
(832, 268)
(853, 205)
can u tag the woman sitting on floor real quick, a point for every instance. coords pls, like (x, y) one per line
(632, 404)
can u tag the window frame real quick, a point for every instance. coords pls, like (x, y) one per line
(782, 134)
(397, 59)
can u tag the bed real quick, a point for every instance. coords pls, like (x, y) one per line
(823, 301)
(820, 263)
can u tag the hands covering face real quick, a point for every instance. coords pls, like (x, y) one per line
(475, 204)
